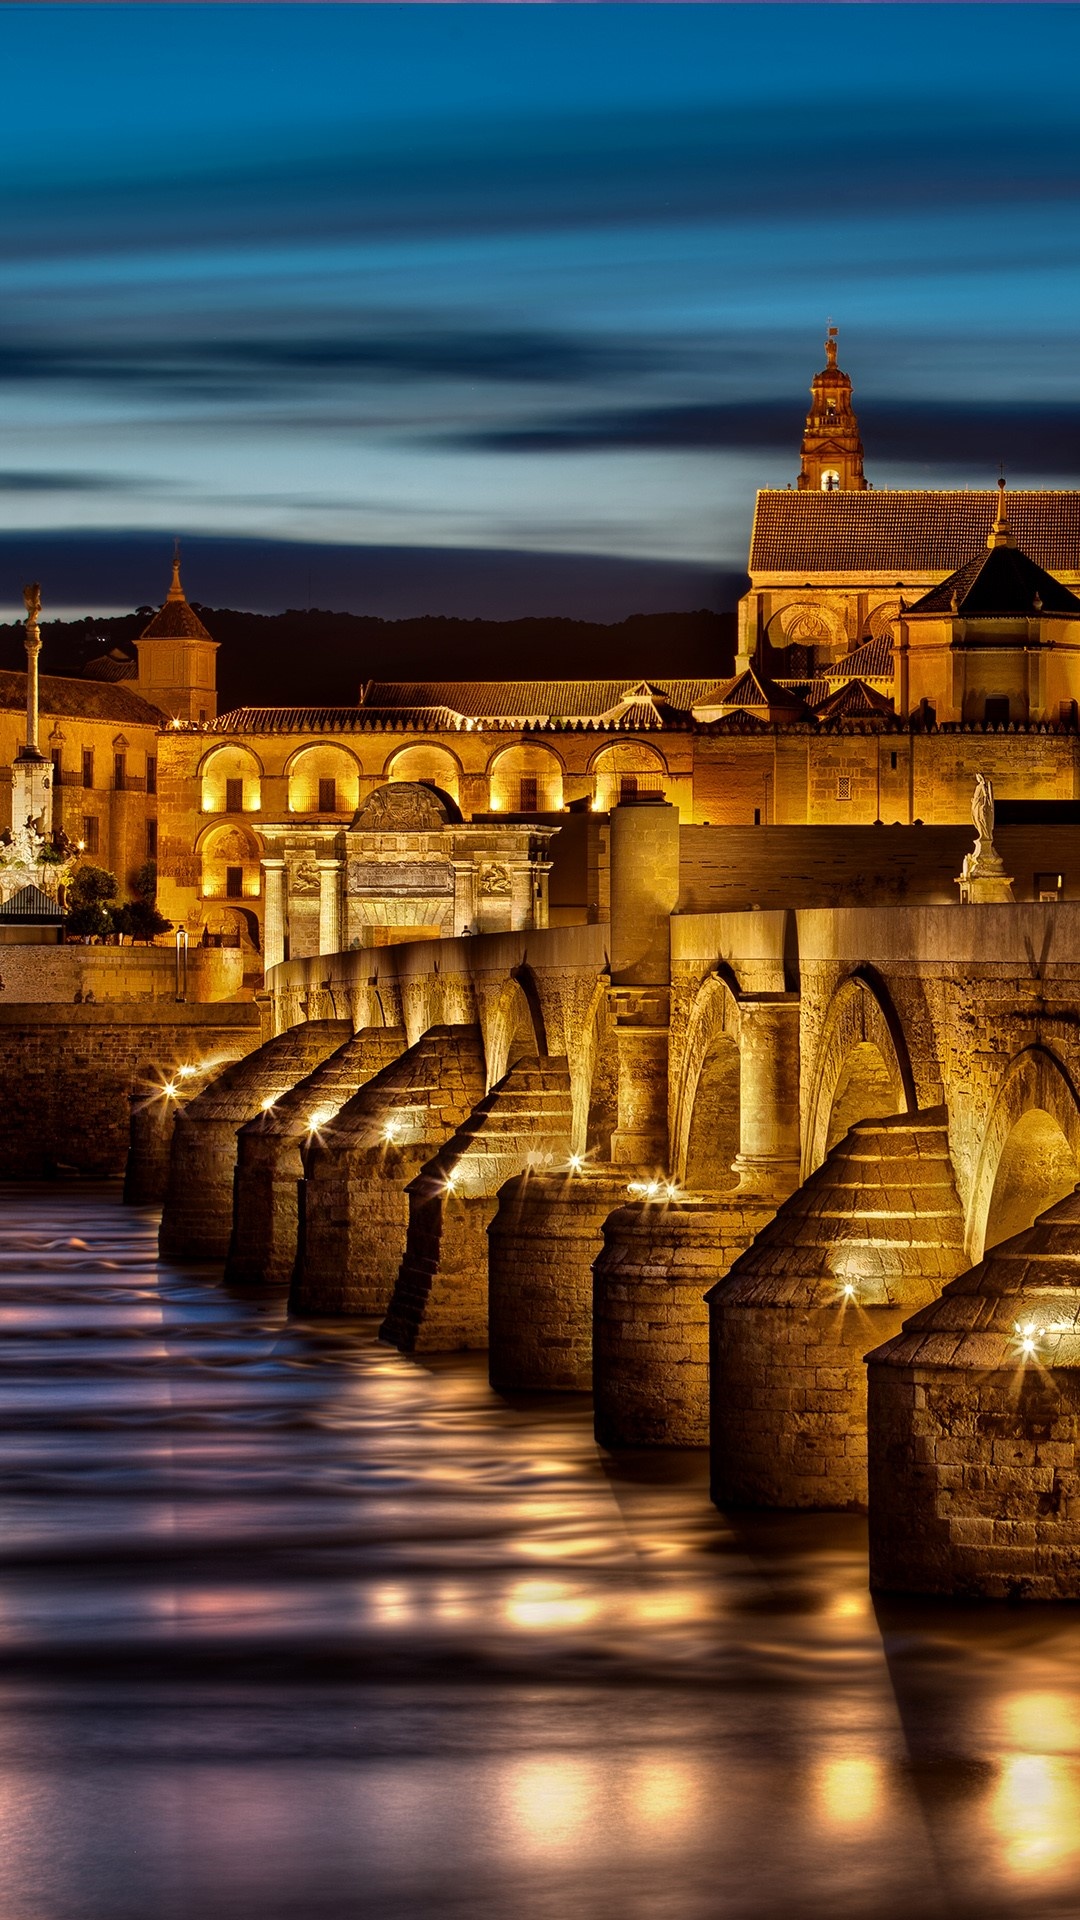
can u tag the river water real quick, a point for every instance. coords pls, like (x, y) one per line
(292, 1627)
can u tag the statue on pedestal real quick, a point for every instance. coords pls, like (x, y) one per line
(983, 879)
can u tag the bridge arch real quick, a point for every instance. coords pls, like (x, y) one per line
(516, 1029)
(863, 1068)
(706, 1127)
(1030, 1152)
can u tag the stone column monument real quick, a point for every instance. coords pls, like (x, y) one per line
(31, 772)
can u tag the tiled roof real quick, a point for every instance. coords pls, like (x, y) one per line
(80, 699)
(872, 661)
(906, 532)
(293, 720)
(999, 580)
(855, 701)
(112, 666)
(535, 701)
(175, 621)
(755, 690)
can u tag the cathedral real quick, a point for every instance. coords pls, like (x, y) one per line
(893, 645)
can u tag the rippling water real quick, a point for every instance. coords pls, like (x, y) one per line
(292, 1627)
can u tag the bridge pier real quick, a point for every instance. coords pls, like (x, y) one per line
(354, 1205)
(546, 1233)
(650, 1322)
(974, 1418)
(269, 1164)
(440, 1298)
(196, 1220)
(875, 1232)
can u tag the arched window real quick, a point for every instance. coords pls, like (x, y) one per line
(625, 769)
(427, 766)
(830, 481)
(324, 779)
(230, 864)
(231, 781)
(526, 779)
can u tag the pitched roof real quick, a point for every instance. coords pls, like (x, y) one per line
(872, 661)
(31, 907)
(1000, 579)
(535, 702)
(905, 532)
(175, 620)
(757, 692)
(855, 701)
(114, 665)
(80, 699)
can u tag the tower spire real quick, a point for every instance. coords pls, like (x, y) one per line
(832, 454)
(176, 591)
(1000, 534)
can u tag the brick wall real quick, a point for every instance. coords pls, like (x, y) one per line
(66, 1074)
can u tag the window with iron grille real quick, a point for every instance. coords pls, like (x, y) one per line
(327, 796)
(88, 766)
(90, 833)
(843, 786)
(528, 793)
(234, 883)
(628, 786)
(234, 796)
(119, 771)
(151, 774)
(58, 766)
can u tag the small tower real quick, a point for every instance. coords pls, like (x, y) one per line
(177, 666)
(31, 772)
(832, 455)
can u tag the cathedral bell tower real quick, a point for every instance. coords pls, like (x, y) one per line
(177, 669)
(832, 454)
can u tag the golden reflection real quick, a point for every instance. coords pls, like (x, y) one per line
(1035, 1809)
(665, 1792)
(849, 1790)
(539, 1604)
(391, 1604)
(554, 1801)
(1043, 1720)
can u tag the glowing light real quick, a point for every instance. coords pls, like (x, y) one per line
(270, 1101)
(1027, 1338)
(849, 1290)
(450, 1183)
(169, 1090)
(392, 1130)
(548, 1603)
(319, 1118)
(80, 846)
(576, 1162)
(186, 1072)
(646, 1189)
(671, 1191)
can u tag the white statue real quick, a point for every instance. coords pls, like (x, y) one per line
(982, 812)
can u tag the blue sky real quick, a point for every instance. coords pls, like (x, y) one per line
(519, 281)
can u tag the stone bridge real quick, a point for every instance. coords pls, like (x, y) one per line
(557, 1143)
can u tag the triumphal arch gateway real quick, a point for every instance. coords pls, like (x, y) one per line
(693, 1040)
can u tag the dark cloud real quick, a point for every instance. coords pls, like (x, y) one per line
(1038, 437)
(39, 480)
(250, 368)
(118, 569)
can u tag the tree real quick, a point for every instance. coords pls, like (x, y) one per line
(140, 920)
(91, 921)
(143, 882)
(92, 886)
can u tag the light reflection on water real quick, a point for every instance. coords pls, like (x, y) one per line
(291, 1626)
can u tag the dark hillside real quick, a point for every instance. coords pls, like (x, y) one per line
(322, 659)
